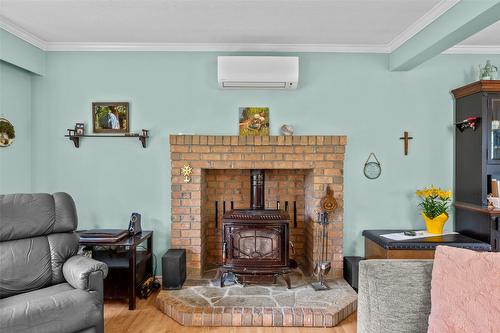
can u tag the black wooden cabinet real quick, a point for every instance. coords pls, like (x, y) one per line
(477, 160)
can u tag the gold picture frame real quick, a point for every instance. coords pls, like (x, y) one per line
(110, 117)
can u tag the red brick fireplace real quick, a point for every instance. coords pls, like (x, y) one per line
(298, 170)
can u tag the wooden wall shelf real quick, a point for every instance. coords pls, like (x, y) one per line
(76, 138)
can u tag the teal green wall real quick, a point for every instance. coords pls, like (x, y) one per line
(351, 94)
(15, 105)
(19, 61)
(16, 51)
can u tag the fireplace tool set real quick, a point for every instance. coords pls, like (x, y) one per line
(323, 266)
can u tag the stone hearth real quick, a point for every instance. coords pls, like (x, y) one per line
(298, 169)
(203, 303)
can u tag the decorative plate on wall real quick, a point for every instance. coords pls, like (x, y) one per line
(7, 133)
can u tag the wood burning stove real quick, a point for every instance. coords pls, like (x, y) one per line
(255, 240)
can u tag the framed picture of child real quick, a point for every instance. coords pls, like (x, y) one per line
(110, 117)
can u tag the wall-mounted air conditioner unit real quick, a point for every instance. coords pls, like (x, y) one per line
(246, 72)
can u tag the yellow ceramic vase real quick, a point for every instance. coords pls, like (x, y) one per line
(435, 225)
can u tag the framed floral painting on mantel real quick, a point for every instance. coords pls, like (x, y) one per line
(110, 117)
(254, 121)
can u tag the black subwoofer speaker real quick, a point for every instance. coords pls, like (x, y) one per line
(351, 269)
(173, 269)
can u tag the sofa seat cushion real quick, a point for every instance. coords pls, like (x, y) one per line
(58, 308)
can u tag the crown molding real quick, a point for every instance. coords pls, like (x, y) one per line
(439, 9)
(212, 47)
(473, 49)
(23, 34)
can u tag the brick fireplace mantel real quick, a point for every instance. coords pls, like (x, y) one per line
(312, 161)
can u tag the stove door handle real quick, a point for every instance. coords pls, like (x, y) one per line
(224, 252)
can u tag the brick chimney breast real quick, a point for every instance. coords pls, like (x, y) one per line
(298, 170)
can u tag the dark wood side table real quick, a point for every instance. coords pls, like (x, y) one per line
(137, 265)
(378, 247)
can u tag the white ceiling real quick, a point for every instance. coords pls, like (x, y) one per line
(487, 37)
(366, 25)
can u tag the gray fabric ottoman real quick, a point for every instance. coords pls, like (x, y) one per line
(394, 296)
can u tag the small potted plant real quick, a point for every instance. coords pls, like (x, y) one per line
(487, 72)
(435, 204)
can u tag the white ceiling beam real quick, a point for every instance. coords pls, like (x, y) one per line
(461, 21)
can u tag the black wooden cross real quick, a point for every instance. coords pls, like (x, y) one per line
(406, 139)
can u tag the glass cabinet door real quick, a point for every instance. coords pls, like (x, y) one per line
(494, 127)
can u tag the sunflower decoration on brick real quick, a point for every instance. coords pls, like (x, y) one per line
(186, 171)
(7, 133)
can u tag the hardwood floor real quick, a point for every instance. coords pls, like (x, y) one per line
(146, 318)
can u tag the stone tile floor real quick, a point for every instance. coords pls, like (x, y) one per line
(204, 303)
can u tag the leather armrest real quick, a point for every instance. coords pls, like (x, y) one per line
(78, 269)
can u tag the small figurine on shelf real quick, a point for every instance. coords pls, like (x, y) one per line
(80, 129)
(488, 71)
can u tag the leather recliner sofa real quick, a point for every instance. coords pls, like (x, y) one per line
(44, 285)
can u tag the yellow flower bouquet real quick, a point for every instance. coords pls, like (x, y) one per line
(435, 204)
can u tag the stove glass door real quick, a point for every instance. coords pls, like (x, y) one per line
(255, 245)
